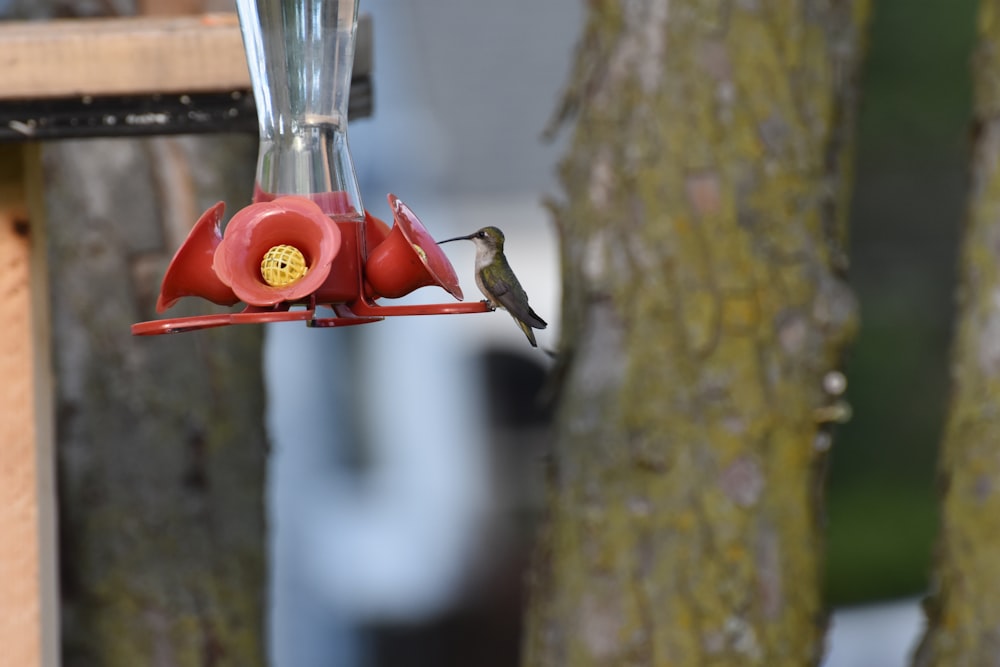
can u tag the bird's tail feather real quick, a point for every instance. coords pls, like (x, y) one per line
(527, 332)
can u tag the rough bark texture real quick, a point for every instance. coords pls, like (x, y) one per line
(703, 239)
(964, 607)
(161, 443)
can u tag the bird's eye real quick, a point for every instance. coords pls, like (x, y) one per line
(481, 235)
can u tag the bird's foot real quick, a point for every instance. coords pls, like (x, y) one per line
(489, 304)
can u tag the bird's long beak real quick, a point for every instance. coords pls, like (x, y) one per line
(457, 238)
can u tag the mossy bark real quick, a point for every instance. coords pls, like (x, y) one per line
(703, 249)
(161, 442)
(964, 606)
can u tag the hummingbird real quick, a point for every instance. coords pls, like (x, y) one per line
(497, 282)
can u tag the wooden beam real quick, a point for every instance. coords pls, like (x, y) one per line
(29, 619)
(122, 56)
(138, 76)
(133, 55)
(180, 7)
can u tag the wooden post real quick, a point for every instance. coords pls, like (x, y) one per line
(29, 619)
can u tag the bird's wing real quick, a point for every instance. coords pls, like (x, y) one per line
(512, 296)
(535, 320)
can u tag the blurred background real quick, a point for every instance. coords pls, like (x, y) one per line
(463, 91)
(403, 542)
(909, 204)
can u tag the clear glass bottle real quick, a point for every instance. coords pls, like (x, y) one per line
(301, 54)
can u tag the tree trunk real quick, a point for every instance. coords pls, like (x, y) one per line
(705, 314)
(161, 444)
(964, 607)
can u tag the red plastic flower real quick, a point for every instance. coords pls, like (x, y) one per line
(256, 229)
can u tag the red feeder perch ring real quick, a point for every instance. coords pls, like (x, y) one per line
(284, 251)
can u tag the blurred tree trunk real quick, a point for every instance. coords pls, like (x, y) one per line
(705, 315)
(963, 610)
(161, 443)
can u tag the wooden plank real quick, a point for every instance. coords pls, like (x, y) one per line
(29, 627)
(134, 56)
(78, 57)
(180, 7)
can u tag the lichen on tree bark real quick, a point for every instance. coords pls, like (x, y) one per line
(964, 607)
(161, 442)
(702, 234)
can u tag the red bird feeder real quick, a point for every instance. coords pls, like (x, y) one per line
(306, 241)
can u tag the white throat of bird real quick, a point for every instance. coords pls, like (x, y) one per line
(485, 252)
